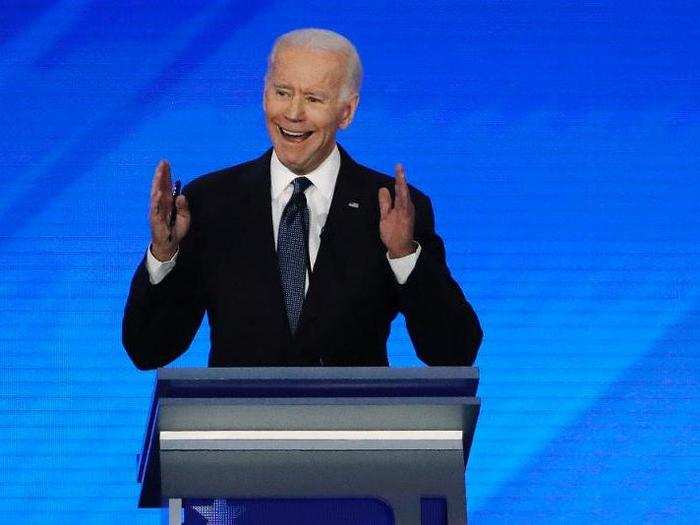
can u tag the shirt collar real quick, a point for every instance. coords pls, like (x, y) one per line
(323, 177)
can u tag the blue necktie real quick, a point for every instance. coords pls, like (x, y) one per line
(292, 250)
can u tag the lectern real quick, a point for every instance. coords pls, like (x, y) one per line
(309, 445)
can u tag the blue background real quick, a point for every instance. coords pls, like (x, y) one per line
(559, 142)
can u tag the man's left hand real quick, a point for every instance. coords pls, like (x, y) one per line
(396, 222)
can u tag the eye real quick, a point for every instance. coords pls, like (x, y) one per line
(313, 99)
(281, 93)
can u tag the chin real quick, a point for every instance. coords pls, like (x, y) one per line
(294, 163)
(293, 156)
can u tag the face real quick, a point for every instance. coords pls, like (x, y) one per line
(303, 107)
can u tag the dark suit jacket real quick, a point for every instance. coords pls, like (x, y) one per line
(227, 267)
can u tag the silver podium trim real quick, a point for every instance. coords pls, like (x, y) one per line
(311, 440)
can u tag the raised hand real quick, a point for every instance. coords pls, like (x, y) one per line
(396, 222)
(164, 240)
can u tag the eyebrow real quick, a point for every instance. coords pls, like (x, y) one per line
(319, 94)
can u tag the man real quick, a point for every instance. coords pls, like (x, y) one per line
(301, 257)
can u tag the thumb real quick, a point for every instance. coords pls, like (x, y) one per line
(182, 222)
(183, 208)
(384, 202)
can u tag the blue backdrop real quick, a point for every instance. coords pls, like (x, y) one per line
(559, 142)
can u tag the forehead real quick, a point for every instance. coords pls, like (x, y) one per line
(308, 69)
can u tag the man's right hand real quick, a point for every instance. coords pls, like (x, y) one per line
(164, 240)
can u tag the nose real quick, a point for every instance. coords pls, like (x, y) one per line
(295, 109)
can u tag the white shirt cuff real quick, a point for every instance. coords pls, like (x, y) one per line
(403, 266)
(157, 270)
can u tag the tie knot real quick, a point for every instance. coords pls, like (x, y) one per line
(301, 184)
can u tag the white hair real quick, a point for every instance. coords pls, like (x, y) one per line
(323, 40)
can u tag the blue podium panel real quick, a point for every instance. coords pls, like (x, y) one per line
(302, 511)
(289, 511)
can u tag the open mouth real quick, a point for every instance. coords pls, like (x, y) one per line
(294, 136)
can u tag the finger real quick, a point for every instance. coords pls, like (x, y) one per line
(160, 189)
(154, 207)
(406, 193)
(165, 178)
(384, 202)
(409, 205)
(161, 180)
(401, 187)
(157, 175)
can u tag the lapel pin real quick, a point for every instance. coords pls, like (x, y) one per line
(354, 204)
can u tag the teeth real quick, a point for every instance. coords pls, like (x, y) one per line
(292, 133)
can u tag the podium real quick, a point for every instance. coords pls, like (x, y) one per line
(309, 445)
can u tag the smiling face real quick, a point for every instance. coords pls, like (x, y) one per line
(303, 105)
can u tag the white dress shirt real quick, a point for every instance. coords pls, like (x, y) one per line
(318, 198)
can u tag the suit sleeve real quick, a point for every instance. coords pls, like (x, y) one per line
(161, 320)
(441, 323)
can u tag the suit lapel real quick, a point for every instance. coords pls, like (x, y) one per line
(343, 228)
(257, 210)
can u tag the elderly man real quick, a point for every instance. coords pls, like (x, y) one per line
(301, 257)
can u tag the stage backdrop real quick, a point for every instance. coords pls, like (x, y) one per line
(559, 142)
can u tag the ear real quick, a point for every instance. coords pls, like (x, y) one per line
(348, 110)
